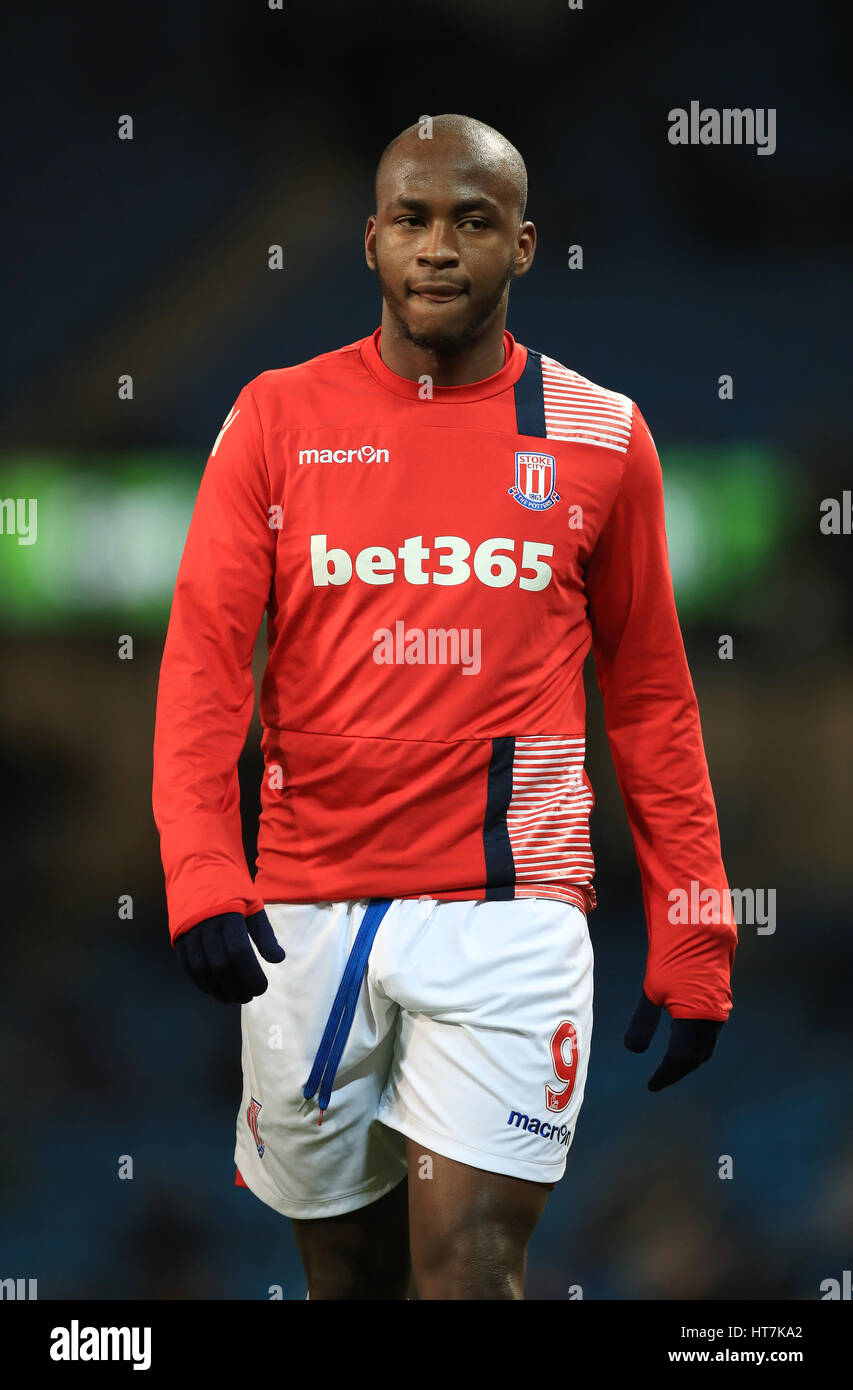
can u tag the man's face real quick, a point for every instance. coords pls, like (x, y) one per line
(444, 244)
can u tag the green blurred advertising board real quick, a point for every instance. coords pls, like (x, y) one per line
(106, 533)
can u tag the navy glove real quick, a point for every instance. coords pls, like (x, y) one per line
(218, 954)
(691, 1042)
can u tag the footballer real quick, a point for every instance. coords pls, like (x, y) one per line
(440, 524)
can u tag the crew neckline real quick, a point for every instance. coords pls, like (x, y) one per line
(508, 375)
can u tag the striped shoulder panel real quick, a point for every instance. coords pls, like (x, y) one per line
(554, 402)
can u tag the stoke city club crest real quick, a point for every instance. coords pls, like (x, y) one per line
(535, 480)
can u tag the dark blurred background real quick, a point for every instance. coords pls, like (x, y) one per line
(255, 127)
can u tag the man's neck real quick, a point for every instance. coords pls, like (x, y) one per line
(475, 362)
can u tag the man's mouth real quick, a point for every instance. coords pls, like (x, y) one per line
(437, 294)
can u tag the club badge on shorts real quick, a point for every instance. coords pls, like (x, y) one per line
(252, 1114)
(535, 480)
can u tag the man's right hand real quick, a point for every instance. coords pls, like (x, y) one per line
(218, 954)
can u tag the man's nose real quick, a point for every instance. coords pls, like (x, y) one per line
(439, 245)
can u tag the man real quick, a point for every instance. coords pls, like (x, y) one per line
(439, 523)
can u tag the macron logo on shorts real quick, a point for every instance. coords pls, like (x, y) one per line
(544, 1127)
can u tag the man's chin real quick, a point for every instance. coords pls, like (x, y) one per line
(442, 338)
(435, 341)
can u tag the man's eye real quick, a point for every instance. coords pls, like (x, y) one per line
(401, 220)
(480, 221)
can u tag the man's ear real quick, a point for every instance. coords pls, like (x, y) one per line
(370, 241)
(526, 249)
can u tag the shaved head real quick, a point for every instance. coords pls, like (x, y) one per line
(481, 147)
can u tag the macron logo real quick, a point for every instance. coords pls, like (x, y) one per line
(76, 1343)
(532, 1125)
(366, 454)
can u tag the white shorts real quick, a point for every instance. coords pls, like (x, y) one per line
(471, 1035)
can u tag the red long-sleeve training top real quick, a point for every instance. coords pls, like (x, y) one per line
(435, 564)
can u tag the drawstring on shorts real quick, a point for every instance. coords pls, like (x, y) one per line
(340, 1019)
